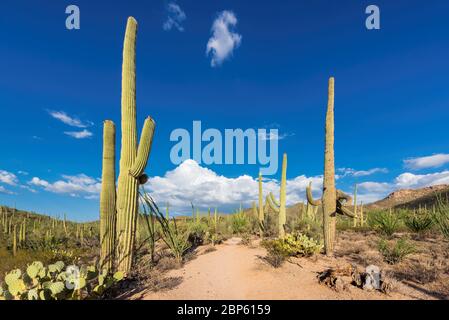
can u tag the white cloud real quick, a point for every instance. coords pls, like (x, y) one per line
(378, 187)
(6, 191)
(224, 40)
(175, 17)
(361, 173)
(189, 182)
(434, 161)
(28, 188)
(71, 121)
(23, 173)
(79, 134)
(410, 180)
(8, 178)
(78, 185)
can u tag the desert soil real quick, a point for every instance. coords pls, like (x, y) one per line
(236, 271)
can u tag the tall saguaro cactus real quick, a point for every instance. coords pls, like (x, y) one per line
(332, 200)
(329, 191)
(280, 207)
(355, 207)
(119, 212)
(107, 198)
(133, 158)
(261, 213)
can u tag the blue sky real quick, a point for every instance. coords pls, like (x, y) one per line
(391, 95)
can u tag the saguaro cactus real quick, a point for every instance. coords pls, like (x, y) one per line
(261, 211)
(14, 241)
(107, 198)
(333, 200)
(133, 158)
(280, 207)
(356, 217)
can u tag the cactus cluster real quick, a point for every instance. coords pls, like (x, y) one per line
(118, 212)
(52, 282)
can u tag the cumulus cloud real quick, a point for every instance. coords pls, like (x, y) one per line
(434, 161)
(410, 180)
(189, 182)
(8, 178)
(175, 17)
(224, 39)
(3, 190)
(78, 185)
(69, 120)
(360, 173)
(79, 134)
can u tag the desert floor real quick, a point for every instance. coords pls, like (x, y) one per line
(235, 271)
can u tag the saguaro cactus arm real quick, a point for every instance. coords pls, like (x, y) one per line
(272, 202)
(310, 199)
(143, 152)
(108, 198)
(342, 200)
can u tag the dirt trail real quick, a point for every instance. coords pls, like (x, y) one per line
(235, 271)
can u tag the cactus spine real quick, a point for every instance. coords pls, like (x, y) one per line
(133, 158)
(107, 198)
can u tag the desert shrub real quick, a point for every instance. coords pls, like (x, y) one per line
(310, 227)
(269, 225)
(385, 222)
(394, 252)
(198, 233)
(246, 239)
(239, 223)
(52, 282)
(440, 216)
(418, 223)
(177, 240)
(276, 252)
(292, 245)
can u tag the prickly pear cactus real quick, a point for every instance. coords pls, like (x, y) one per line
(54, 283)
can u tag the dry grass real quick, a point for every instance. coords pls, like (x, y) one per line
(426, 270)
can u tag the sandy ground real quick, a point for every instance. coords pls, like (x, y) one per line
(235, 271)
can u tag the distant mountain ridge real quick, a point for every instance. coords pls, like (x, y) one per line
(412, 198)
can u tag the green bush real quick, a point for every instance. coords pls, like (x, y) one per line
(239, 223)
(277, 253)
(385, 222)
(441, 217)
(52, 282)
(198, 232)
(418, 223)
(294, 245)
(394, 252)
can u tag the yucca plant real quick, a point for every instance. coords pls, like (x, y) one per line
(176, 240)
(396, 251)
(385, 222)
(440, 216)
(418, 223)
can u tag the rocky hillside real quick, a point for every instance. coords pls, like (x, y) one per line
(413, 198)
